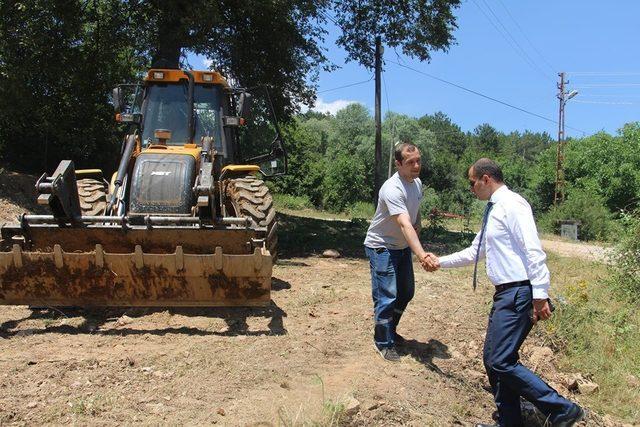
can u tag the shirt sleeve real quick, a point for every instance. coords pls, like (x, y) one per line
(525, 234)
(464, 257)
(395, 201)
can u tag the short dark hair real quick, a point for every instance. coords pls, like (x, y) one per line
(488, 167)
(401, 148)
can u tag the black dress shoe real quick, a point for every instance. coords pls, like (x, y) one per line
(574, 416)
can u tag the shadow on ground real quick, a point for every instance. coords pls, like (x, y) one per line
(426, 352)
(109, 321)
(302, 237)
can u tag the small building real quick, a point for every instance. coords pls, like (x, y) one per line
(569, 229)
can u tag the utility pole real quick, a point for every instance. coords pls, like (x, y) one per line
(377, 181)
(563, 97)
(558, 196)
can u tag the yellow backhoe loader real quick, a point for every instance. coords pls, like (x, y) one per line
(185, 221)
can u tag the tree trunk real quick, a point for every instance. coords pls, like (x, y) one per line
(171, 35)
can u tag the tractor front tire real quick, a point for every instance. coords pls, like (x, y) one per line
(249, 197)
(93, 196)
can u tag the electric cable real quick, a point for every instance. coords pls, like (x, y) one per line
(347, 85)
(551, 67)
(484, 96)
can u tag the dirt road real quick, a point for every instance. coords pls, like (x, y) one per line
(577, 250)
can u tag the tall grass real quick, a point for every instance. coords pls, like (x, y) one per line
(287, 201)
(598, 325)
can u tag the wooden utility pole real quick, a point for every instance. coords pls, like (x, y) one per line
(558, 196)
(377, 179)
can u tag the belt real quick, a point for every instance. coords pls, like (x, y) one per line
(505, 286)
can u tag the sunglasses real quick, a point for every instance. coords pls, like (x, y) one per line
(472, 182)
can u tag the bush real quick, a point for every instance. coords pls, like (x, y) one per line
(361, 210)
(626, 266)
(430, 200)
(344, 183)
(596, 222)
(287, 201)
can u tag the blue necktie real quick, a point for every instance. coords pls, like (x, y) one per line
(485, 217)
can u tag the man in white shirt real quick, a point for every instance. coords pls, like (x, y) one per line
(515, 264)
(392, 236)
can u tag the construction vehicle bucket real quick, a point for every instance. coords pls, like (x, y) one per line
(106, 265)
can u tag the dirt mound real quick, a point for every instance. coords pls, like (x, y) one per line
(17, 195)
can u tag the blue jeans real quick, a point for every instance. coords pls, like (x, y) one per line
(392, 287)
(509, 324)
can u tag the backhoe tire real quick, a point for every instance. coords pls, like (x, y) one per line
(93, 196)
(249, 197)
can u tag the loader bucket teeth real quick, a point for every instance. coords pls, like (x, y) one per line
(131, 269)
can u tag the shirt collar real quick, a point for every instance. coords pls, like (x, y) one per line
(499, 194)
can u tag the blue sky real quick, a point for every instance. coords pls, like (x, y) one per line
(512, 51)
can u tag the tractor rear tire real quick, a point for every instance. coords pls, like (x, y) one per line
(93, 196)
(250, 198)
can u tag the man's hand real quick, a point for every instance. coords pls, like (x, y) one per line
(541, 310)
(430, 262)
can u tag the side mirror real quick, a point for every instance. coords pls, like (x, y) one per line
(118, 100)
(244, 104)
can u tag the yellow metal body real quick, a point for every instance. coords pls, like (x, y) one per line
(106, 264)
(187, 149)
(101, 278)
(241, 168)
(174, 76)
(82, 173)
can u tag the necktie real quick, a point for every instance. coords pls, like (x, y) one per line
(485, 217)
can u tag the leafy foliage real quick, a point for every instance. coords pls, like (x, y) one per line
(332, 164)
(626, 276)
(59, 59)
(415, 26)
(595, 220)
(58, 63)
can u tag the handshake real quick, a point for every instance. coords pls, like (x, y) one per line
(430, 262)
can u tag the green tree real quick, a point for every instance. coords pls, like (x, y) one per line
(344, 182)
(606, 165)
(449, 136)
(307, 142)
(279, 42)
(58, 62)
(486, 139)
(59, 59)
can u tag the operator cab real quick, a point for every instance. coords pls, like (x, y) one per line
(165, 106)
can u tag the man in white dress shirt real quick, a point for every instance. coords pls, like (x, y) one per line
(515, 264)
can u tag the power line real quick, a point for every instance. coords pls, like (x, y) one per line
(326, 15)
(596, 85)
(348, 85)
(515, 41)
(484, 96)
(603, 73)
(605, 102)
(610, 95)
(514, 44)
(527, 38)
